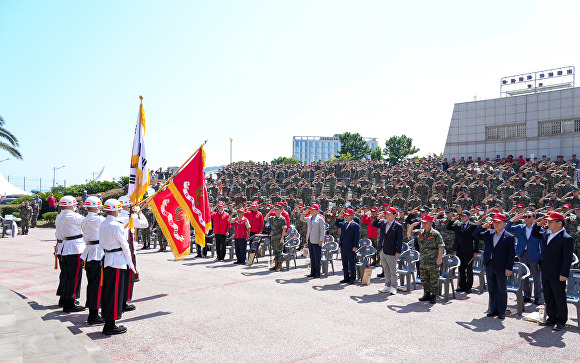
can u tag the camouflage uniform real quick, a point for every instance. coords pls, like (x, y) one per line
(277, 225)
(448, 236)
(25, 214)
(34, 216)
(573, 228)
(429, 243)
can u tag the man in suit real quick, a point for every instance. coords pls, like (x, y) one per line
(528, 251)
(348, 241)
(390, 243)
(466, 247)
(557, 249)
(315, 229)
(498, 259)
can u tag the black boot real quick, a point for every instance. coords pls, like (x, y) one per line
(426, 296)
(128, 307)
(71, 307)
(111, 329)
(94, 317)
(433, 299)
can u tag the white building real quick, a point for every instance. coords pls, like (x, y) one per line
(320, 148)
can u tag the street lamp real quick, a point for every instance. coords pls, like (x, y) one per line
(231, 139)
(54, 169)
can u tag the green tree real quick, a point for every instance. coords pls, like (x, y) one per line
(11, 146)
(285, 160)
(354, 145)
(338, 157)
(398, 148)
(377, 154)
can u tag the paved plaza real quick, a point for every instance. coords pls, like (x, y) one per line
(201, 310)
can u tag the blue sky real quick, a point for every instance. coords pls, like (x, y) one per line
(261, 72)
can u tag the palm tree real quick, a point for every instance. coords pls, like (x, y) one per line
(12, 145)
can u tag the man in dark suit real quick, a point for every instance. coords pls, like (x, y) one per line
(348, 241)
(528, 251)
(390, 244)
(498, 259)
(466, 247)
(557, 249)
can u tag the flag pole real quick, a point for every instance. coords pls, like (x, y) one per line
(146, 201)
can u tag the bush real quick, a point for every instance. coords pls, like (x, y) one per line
(50, 217)
(9, 209)
(91, 187)
(16, 214)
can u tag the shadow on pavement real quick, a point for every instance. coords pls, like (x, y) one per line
(149, 298)
(258, 273)
(417, 307)
(482, 324)
(298, 280)
(331, 287)
(146, 316)
(371, 298)
(222, 265)
(544, 337)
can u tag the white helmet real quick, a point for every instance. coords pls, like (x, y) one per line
(112, 205)
(125, 200)
(93, 202)
(67, 201)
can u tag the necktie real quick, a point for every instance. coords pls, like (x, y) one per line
(463, 228)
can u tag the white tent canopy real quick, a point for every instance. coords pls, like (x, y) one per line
(7, 189)
(104, 175)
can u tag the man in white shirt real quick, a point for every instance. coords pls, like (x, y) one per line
(68, 230)
(139, 221)
(117, 260)
(93, 255)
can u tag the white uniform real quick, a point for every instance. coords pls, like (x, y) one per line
(68, 224)
(139, 221)
(111, 237)
(90, 227)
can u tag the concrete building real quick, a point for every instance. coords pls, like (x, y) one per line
(532, 125)
(320, 148)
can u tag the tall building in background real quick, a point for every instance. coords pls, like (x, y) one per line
(320, 148)
(537, 114)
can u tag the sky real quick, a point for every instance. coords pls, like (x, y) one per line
(259, 72)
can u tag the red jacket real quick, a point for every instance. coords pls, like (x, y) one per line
(240, 228)
(372, 232)
(220, 223)
(256, 220)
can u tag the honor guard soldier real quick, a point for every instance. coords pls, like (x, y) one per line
(68, 230)
(93, 256)
(117, 260)
(139, 221)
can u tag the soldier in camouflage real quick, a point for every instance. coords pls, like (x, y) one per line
(432, 245)
(35, 210)
(277, 234)
(25, 213)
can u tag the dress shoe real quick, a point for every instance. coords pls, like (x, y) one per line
(128, 307)
(547, 322)
(393, 291)
(344, 281)
(351, 282)
(527, 299)
(95, 320)
(382, 274)
(559, 327)
(501, 316)
(72, 308)
(114, 330)
(310, 275)
(537, 301)
(468, 291)
(385, 289)
(460, 290)
(492, 314)
(426, 296)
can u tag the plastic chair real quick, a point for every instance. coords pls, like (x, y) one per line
(231, 246)
(9, 226)
(406, 268)
(254, 245)
(210, 244)
(574, 260)
(514, 283)
(365, 242)
(449, 264)
(328, 238)
(573, 291)
(479, 270)
(326, 256)
(363, 255)
(289, 253)
(404, 247)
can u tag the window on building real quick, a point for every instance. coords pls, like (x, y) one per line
(505, 131)
(568, 126)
